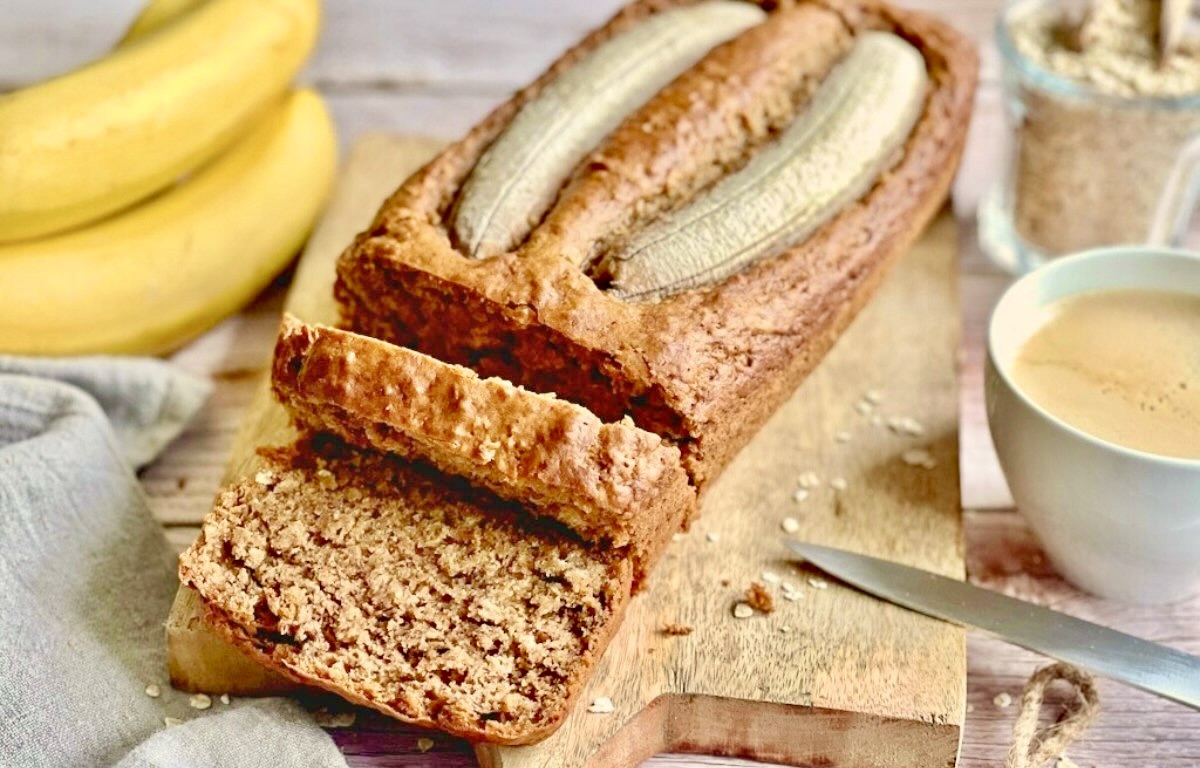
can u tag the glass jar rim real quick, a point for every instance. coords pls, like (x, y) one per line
(1049, 80)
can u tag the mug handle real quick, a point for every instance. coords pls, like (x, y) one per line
(1178, 198)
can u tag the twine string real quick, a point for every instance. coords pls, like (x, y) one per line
(1034, 747)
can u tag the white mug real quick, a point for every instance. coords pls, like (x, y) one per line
(1118, 522)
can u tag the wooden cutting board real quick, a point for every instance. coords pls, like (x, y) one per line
(832, 678)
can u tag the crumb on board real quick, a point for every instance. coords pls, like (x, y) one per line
(677, 630)
(327, 719)
(789, 525)
(1002, 700)
(742, 611)
(758, 598)
(712, 537)
(153, 691)
(200, 701)
(424, 744)
(172, 721)
(919, 457)
(601, 705)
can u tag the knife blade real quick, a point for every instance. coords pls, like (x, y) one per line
(1142, 664)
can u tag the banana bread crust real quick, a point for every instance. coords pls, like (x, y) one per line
(614, 484)
(705, 367)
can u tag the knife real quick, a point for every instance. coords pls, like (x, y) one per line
(1152, 667)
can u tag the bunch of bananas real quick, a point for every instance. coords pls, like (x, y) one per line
(148, 195)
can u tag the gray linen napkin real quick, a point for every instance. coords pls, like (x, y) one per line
(87, 579)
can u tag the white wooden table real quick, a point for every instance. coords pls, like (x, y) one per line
(434, 68)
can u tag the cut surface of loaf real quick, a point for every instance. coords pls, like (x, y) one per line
(706, 366)
(396, 588)
(614, 484)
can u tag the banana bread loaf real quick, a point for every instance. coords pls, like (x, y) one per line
(614, 484)
(705, 366)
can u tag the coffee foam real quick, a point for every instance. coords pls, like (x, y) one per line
(1122, 365)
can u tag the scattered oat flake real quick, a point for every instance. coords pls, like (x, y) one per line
(818, 583)
(677, 630)
(712, 538)
(800, 495)
(792, 597)
(200, 701)
(970, 708)
(789, 525)
(809, 480)
(906, 425)
(172, 721)
(601, 705)
(785, 629)
(225, 698)
(838, 484)
(153, 691)
(770, 577)
(919, 457)
(424, 744)
(873, 396)
(842, 437)
(1002, 700)
(862, 407)
(742, 611)
(327, 719)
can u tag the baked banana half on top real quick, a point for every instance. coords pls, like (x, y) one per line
(678, 219)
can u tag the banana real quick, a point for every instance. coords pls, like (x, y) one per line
(156, 14)
(852, 130)
(154, 277)
(517, 178)
(95, 141)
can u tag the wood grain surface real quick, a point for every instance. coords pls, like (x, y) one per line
(866, 684)
(386, 65)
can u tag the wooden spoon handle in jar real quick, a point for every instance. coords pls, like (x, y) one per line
(1171, 22)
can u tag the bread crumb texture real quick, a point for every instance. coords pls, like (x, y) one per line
(403, 590)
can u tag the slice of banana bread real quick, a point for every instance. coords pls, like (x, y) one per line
(614, 484)
(403, 590)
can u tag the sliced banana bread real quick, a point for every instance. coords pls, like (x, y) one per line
(614, 484)
(406, 591)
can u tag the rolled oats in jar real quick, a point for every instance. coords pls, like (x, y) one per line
(1103, 130)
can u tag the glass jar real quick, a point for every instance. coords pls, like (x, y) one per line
(1087, 168)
